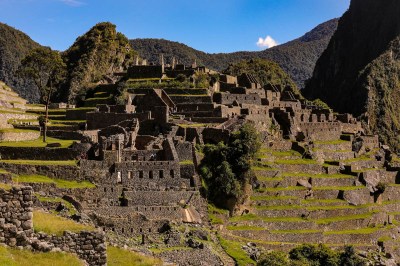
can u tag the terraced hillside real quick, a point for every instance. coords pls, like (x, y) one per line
(348, 198)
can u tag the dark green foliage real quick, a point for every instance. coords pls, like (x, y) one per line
(47, 70)
(315, 255)
(274, 258)
(297, 57)
(225, 167)
(15, 45)
(381, 187)
(94, 57)
(359, 71)
(265, 71)
(349, 258)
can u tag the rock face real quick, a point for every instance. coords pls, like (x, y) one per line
(94, 58)
(297, 57)
(14, 46)
(358, 72)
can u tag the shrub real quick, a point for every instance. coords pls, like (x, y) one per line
(274, 258)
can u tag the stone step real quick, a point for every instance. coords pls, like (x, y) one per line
(334, 145)
(337, 155)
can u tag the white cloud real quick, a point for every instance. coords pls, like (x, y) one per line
(74, 3)
(267, 42)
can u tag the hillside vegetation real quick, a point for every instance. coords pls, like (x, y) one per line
(297, 57)
(359, 71)
(265, 71)
(94, 58)
(14, 46)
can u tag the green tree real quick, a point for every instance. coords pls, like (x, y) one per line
(46, 69)
(315, 255)
(349, 258)
(274, 258)
(226, 166)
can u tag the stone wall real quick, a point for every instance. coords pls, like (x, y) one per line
(229, 99)
(96, 120)
(42, 153)
(89, 246)
(19, 136)
(184, 150)
(67, 172)
(16, 229)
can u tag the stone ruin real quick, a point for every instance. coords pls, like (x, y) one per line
(142, 158)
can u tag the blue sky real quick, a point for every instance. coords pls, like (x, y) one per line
(207, 25)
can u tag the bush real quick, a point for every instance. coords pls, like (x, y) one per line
(318, 255)
(380, 188)
(274, 258)
(225, 167)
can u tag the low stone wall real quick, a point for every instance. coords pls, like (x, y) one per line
(16, 229)
(39, 153)
(67, 172)
(16, 225)
(89, 246)
(19, 136)
(68, 135)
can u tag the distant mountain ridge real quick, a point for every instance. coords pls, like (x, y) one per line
(297, 57)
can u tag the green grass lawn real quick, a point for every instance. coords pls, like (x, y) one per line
(37, 143)
(15, 130)
(187, 162)
(59, 182)
(121, 257)
(235, 251)
(53, 224)
(15, 257)
(40, 162)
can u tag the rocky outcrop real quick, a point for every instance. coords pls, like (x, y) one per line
(94, 58)
(358, 72)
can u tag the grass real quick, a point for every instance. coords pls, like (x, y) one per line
(5, 186)
(361, 231)
(166, 249)
(267, 198)
(71, 208)
(37, 143)
(332, 142)
(306, 231)
(244, 228)
(213, 213)
(334, 176)
(121, 257)
(40, 162)
(53, 224)
(15, 257)
(15, 130)
(253, 217)
(297, 161)
(276, 189)
(186, 162)
(339, 188)
(344, 218)
(59, 182)
(265, 153)
(192, 125)
(235, 251)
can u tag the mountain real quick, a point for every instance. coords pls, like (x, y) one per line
(14, 46)
(297, 57)
(94, 58)
(359, 71)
